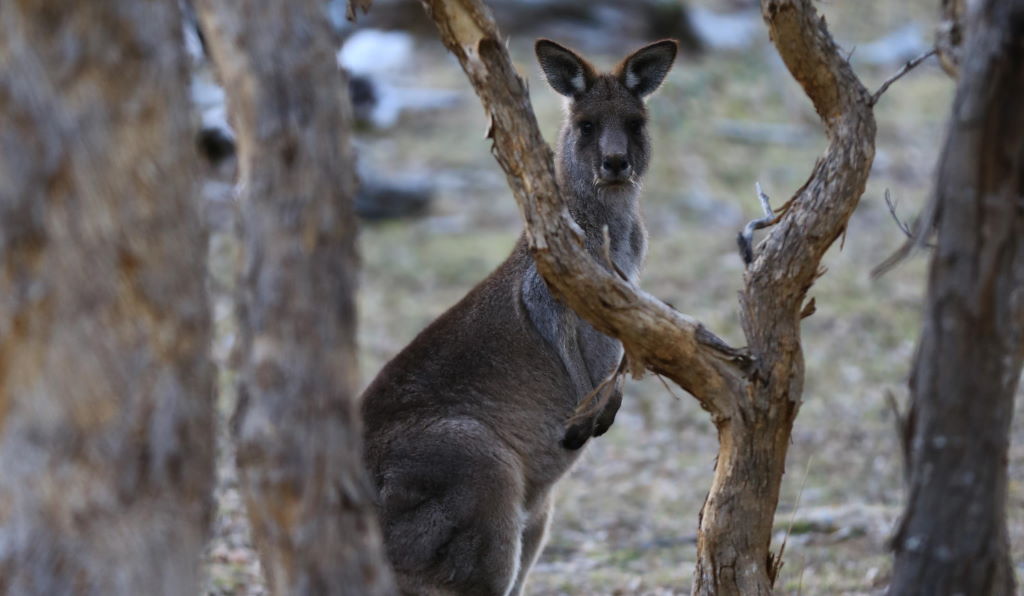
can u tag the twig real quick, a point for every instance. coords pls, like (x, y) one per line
(809, 309)
(912, 242)
(910, 65)
(608, 253)
(792, 520)
(597, 398)
(745, 238)
(891, 204)
(901, 420)
(667, 386)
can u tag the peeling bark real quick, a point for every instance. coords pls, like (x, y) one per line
(953, 536)
(752, 395)
(297, 430)
(106, 393)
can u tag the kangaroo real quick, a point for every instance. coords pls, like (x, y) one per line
(465, 429)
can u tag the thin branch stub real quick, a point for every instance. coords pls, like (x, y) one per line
(910, 65)
(745, 239)
(607, 246)
(908, 246)
(891, 204)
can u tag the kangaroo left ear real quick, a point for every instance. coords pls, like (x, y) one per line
(643, 71)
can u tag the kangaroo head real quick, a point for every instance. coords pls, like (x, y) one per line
(604, 142)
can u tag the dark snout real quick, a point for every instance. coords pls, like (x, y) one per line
(615, 168)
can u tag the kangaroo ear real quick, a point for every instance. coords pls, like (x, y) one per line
(643, 71)
(565, 71)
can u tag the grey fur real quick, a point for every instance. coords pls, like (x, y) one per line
(465, 428)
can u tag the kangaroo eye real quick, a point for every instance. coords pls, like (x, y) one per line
(586, 128)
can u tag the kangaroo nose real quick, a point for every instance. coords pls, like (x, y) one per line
(615, 165)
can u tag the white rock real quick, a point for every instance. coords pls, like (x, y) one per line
(375, 52)
(727, 31)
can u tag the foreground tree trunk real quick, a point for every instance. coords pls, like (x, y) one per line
(752, 395)
(953, 537)
(106, 459)
(296, 430)
(949, 36)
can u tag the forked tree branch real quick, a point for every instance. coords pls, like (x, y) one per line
(817, 214)
(655, 335)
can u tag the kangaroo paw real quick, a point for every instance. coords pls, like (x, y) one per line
(577, 434)
(607, 415)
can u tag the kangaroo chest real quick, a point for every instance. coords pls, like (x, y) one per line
(587, 355)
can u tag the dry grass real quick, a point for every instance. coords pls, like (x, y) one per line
(627, 514)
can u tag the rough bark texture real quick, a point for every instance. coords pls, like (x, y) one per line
(296, 429)
(953, 537)
(106, 459)
(752, 401)
(733, 542)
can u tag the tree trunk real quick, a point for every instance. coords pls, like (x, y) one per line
(106, 460)
(949, 36)
(735, 528)
(953, 536)
(296, 429)
(733, 544)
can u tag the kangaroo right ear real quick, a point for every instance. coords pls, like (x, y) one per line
(643, 71)
(565, 71)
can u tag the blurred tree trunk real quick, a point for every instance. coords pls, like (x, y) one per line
(953, 537)
(296, 430)
(106, 460)
(949, 36)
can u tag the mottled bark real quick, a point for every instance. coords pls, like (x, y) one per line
(733, 549)
(753, 402)
(949, 36)
(953, 536)
(296, 430)
(106, 458)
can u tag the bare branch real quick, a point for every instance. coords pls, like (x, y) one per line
(891, 204)
(809, 309)
(772, 302)
(909, 66)
(745, 238)
(913, 240)
(607, 247)
(667, 387)
(597, 399)
(817, 214)
(777, 562)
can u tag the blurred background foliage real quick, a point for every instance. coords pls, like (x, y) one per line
(728, 116)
